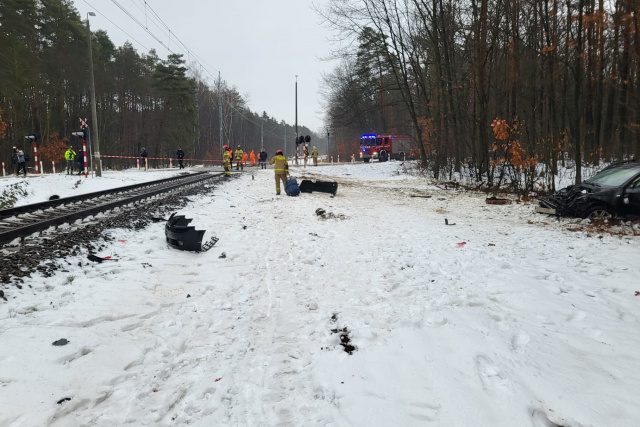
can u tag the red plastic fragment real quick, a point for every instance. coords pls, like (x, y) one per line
(461, 244)
(218, 379)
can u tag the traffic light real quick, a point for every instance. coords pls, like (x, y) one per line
(300, 140)
(84, 133)
(307, 138)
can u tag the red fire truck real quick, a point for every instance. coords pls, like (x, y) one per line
(385, 147)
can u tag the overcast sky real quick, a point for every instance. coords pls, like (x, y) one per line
(258, 46)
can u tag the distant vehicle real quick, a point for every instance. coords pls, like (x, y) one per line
(614, 191)
(385, 147)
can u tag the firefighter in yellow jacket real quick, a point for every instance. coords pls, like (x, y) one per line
(281, 168)
(314, 154)
(226, 161)
(239, 153)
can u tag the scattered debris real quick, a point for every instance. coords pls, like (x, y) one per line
(64, 399)
(223, 255)
(156, 219)
(181, 235)
(60, 342)
(496, 201)
(94, 258)
(244, 227)
(345, 340)
(320, 211)
(461, 244)
(146, 264)
(492, 244)
(446, 222)
(217, 379)
(2, 295)
(54, 197)
(188, 295)
(637, 293)
(423, 196)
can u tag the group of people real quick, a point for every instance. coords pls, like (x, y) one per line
(72, 157)
(314, 155)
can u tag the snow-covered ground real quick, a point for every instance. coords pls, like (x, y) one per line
(506, 318)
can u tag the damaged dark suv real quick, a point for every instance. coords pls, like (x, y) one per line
(614, 191)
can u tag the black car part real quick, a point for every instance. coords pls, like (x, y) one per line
(181, 235)
(307, 186)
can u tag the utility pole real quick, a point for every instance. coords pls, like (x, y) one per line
(94, 114)
(262, 131)
(220, 111)
(285, 138)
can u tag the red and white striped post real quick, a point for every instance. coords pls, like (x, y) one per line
(170, 163)
(53, 166)
(35, 155)
(84, 152)
(41, 168)
(4, 173)
(331, 159)
(146, 164)
(138, 163)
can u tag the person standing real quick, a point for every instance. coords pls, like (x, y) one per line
(21, 161)
(80, 160)
(306, 156)
(262, 157)
(70, 157)
(314, 154)
(180, 156)
(281, 168)
(252, 156)
(238, 155)
(245, 157)
(144, 155)
(226, 161)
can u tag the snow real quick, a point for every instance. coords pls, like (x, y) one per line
(526, 323)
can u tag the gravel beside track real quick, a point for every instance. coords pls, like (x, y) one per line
(45, 253)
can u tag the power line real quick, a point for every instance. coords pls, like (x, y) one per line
(116, 25)
(155, 16)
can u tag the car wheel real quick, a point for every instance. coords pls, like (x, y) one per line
(598, 212)
(366, 160)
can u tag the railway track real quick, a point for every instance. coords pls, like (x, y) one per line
(25, 220)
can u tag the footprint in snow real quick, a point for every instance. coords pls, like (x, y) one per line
(490, 376)
(519, 342)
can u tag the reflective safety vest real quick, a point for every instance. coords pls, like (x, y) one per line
(239, 154)
(314, 153)
(70, 155)
(226, 156)
(280, 162)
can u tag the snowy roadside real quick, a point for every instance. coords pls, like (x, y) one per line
(526, 323)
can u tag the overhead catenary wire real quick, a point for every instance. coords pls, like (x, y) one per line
(157, 21)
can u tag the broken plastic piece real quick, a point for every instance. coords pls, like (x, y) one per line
(181, 235)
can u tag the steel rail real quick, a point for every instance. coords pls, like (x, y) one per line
(34, 207)
(65, 215)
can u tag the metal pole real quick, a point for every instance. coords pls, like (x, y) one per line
(285, 138)
(220, 110)
(327, 143)
(262, 131)
(296, 119)
(94, 115)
